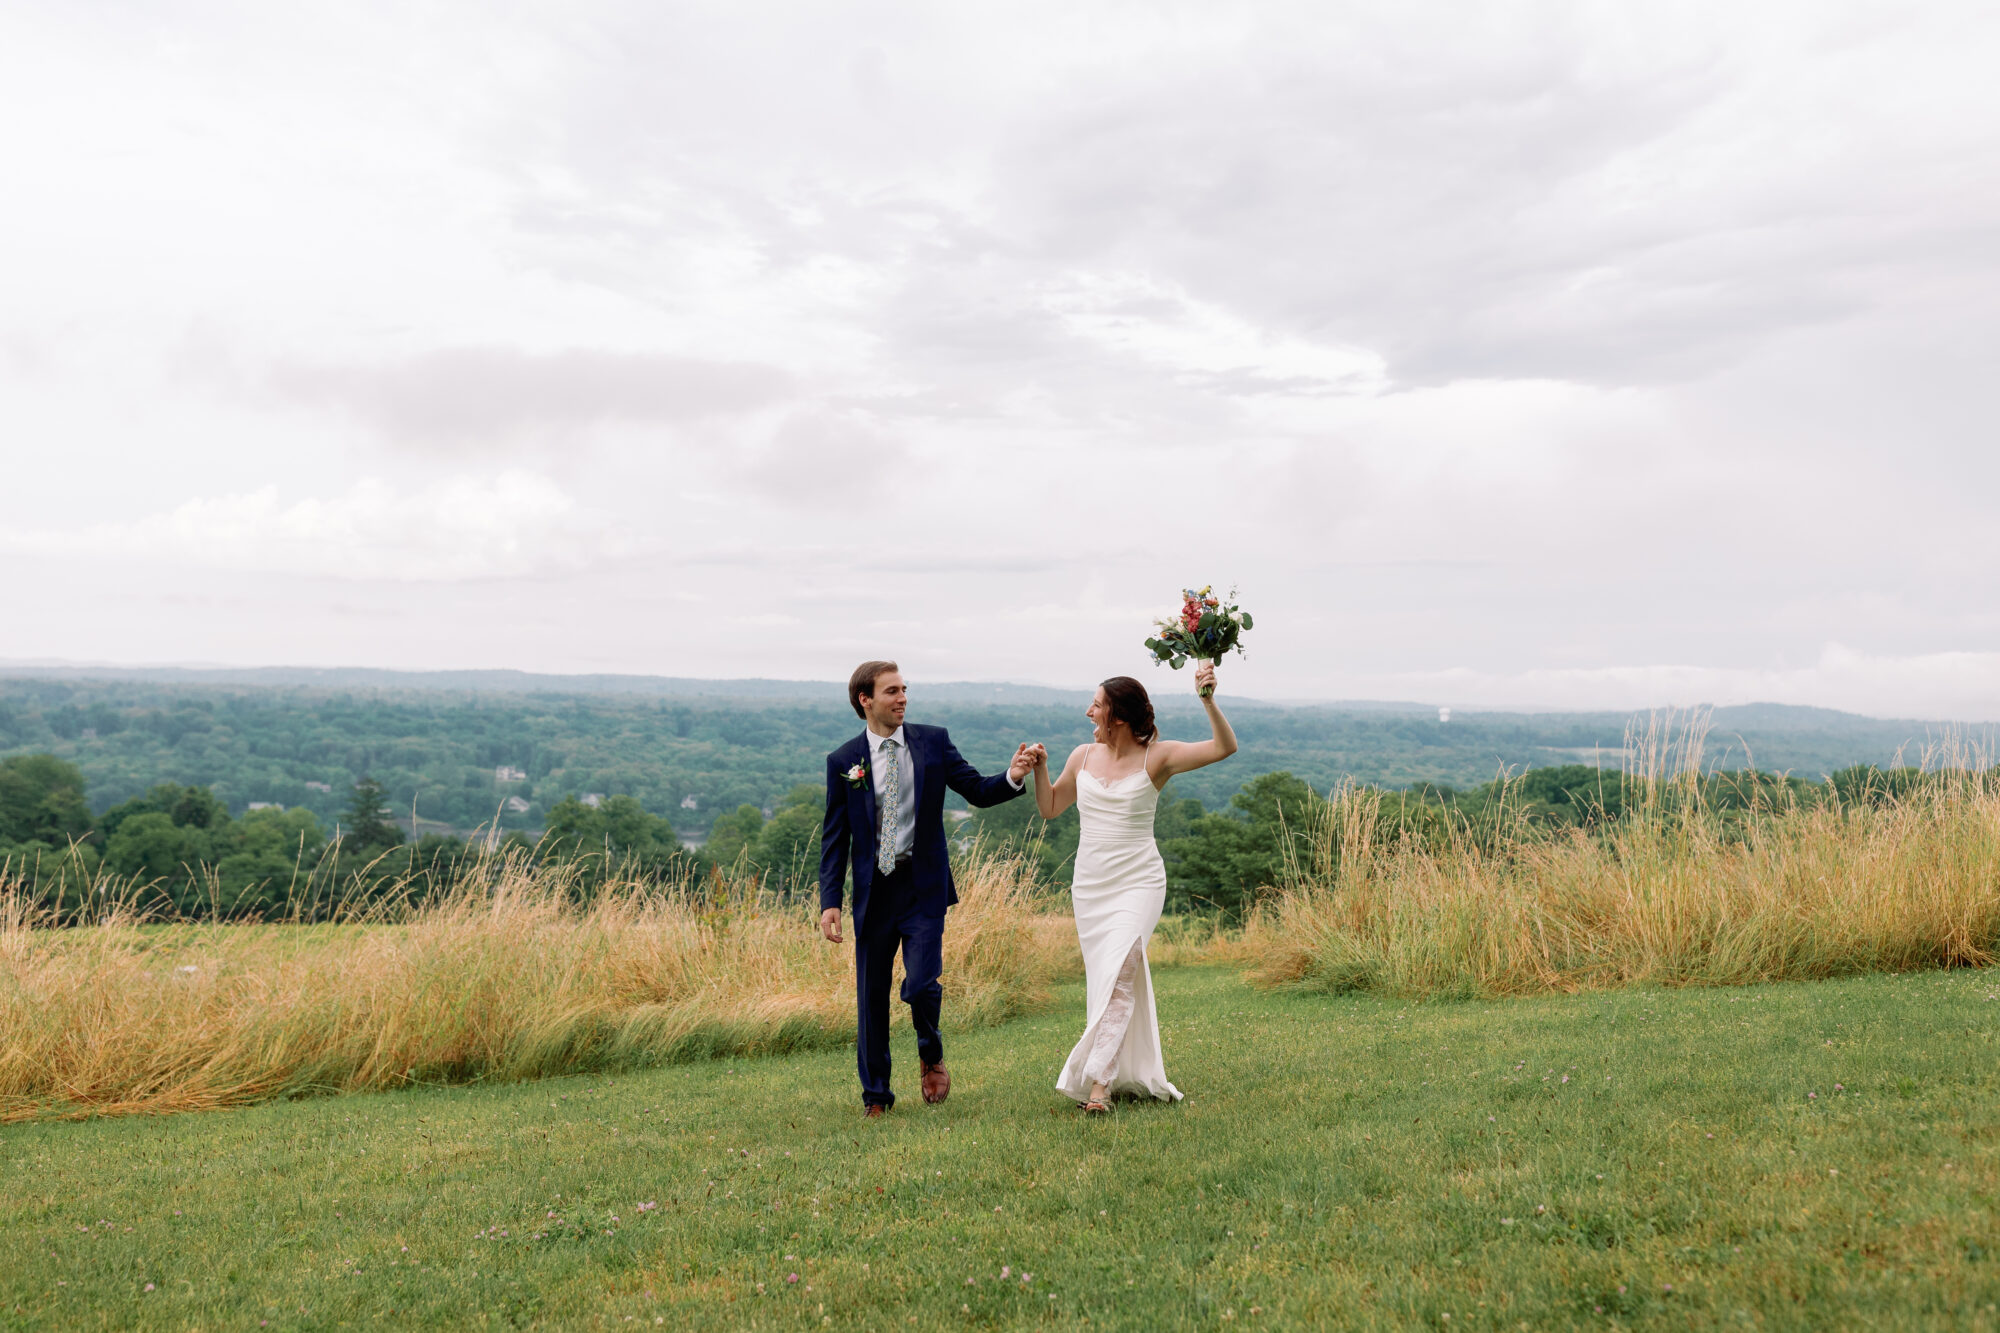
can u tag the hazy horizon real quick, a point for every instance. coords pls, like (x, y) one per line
(1159, 684)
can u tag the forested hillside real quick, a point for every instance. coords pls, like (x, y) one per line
(695, 755)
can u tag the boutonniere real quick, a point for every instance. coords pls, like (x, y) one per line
(857, 775)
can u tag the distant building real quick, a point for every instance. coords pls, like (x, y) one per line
(688, 803)
(319, 786)
(265, 805)
(1444, 715)
(517, 805)
(593, 799)
(508, 773)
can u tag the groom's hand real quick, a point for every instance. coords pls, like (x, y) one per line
(1024, 763)
(829, 924)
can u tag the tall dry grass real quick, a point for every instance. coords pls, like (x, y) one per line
(511, 979)
(1674, 894)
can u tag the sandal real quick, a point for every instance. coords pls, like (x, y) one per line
(1100, 1101)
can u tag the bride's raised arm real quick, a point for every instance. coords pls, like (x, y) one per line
(1167, 758)
(1052, 798)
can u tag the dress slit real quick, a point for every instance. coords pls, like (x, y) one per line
(1116, 1020)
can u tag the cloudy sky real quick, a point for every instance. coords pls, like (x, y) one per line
(1526, 354)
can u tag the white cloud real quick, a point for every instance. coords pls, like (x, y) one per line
(515, 525)
(482, 396)
(1205, 344)
(1961, 685)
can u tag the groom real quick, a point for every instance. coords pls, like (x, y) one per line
(885, 802)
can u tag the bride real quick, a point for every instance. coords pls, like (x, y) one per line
(1120, 883)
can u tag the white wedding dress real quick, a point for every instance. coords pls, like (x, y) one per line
(1120, 886)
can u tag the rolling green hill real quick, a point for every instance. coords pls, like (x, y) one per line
(694, 749)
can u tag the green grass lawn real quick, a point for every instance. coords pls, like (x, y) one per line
(1798, 1156)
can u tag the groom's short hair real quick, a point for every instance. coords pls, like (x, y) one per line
(863, 682)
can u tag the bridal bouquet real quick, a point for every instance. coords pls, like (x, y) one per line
(1206, 628)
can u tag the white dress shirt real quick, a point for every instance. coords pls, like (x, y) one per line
(906, 786)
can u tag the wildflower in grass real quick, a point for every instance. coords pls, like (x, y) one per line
(1005, 1270)
(791, 1277)
(149, 1286)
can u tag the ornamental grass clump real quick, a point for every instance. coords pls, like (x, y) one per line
(1672, 893)
(514, 975)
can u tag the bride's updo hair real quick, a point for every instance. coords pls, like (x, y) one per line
(1130, 705)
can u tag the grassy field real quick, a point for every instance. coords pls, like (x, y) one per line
(521, 978)
(1799, 1155)
(1674, 893)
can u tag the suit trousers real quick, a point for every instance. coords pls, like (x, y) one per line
(893, 923)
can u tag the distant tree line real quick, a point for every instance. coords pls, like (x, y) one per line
(178, 848)
(459, 762)
(181, 843)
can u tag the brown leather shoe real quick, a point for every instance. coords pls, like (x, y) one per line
(875, 1112)
(936, 1083)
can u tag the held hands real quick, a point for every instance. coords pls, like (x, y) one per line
(1024, 762)
(1027, 758)
(829, 924)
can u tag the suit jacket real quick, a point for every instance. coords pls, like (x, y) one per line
(849, 830)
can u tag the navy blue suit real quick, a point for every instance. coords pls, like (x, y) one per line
(902, 910)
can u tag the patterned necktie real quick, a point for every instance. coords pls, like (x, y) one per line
(892, 805)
